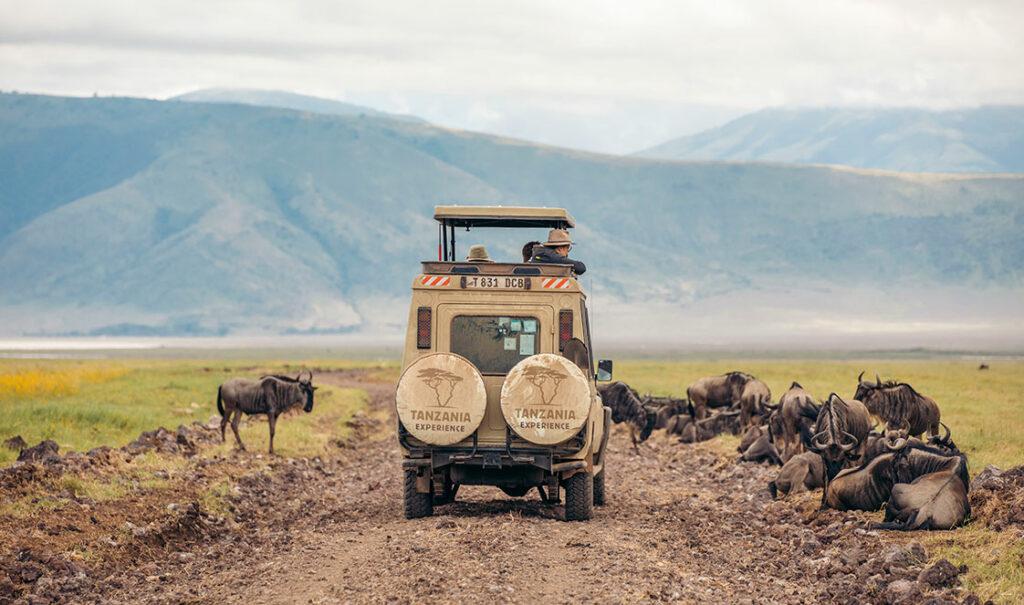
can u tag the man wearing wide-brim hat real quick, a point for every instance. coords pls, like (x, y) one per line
(478, 254)
(556, 251)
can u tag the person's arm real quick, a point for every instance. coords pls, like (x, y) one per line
(577, 266)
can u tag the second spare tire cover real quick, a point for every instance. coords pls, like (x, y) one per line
(545, 399)
(441, 398)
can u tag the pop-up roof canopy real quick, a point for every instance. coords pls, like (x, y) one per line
(450, 217)
(503, 216)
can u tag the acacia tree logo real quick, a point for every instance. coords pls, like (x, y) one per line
(546, 380)
(442, 382)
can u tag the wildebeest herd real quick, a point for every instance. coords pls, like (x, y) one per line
(880, 447)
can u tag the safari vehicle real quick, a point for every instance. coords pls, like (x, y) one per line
(497, 384)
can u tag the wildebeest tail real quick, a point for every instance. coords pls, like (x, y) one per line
(220, 403)
(690, 410)
(805, 434)
(773, 490)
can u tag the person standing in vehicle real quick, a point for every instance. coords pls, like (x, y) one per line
(556, 251)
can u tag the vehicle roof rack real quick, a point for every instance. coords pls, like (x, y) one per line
(504, 216)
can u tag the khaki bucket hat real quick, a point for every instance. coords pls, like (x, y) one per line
(557, 238)
(478, 254)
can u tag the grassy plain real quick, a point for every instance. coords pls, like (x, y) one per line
(86, 403)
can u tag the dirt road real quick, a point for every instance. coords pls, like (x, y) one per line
(683, 523)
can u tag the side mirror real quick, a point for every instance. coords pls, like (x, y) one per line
(604, 370)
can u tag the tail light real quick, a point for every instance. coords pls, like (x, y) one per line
(423, 328)
(564, 327)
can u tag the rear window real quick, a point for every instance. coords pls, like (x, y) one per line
(495, 344)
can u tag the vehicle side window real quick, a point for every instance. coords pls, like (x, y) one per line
(495, 344)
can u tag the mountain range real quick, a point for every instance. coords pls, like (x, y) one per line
(984, 139)
(133, 216)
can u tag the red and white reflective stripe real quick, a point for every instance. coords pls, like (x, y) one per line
(435, 280)
(555, 283)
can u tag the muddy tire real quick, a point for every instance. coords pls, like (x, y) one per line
(416, 504)
(579, 497)
(599, 488)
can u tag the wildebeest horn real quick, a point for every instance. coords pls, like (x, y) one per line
(860, 378)
(945, 439)
(770, 406)
(878, 380)
(817, 439)
(896, 445)
(853, 442)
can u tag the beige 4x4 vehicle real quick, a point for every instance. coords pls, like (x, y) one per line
(497, 384)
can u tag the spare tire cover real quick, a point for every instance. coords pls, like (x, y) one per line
(441, 398)
(545, 399)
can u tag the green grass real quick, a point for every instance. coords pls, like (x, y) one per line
(82, 404)
(984, 410)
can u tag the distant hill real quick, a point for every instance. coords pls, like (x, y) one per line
(987, 139)
(285, 100)
(130, 216)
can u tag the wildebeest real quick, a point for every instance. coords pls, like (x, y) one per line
(866, 487)
(677, 424)
(665, 408)
(627, 407)
(803, 472)
(797, 409)
(936, 495)
(717, 392)
(271, 395)
(897, 402)
(757, 446)
(753, 398)
(710, 427)
(840, 435)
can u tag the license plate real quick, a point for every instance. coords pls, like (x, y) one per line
(494, 283)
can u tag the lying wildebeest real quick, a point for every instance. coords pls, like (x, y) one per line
(797, 409)
(801, 473)
(677, 424)
(665, 408)
(840, 435)
(897, 402)
(271, 395)
(717, 392)
(627, 407)
(925, 488)
(936, 497)
(753, 398)
(710, 427)
(757, 446)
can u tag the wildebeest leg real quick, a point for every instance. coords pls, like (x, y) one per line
(824, 493)
(234, 427)
(272, 421)
(223, 425)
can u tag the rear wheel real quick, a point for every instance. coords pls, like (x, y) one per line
(599, 488)
(416, 504)
(579, 497)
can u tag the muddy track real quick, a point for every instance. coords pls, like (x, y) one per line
(684, 523)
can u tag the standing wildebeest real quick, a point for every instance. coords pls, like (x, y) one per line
(627, 407)
(717, 392)
(796, 407)
(897, 402)
(753, 398)
(841, 433)
(801, 473)
(271, 395)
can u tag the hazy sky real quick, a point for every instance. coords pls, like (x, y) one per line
(611, 76)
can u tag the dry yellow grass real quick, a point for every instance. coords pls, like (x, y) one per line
(54, 383)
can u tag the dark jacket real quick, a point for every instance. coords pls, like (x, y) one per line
(544, 254)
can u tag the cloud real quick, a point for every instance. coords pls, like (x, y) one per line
(562, 56)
